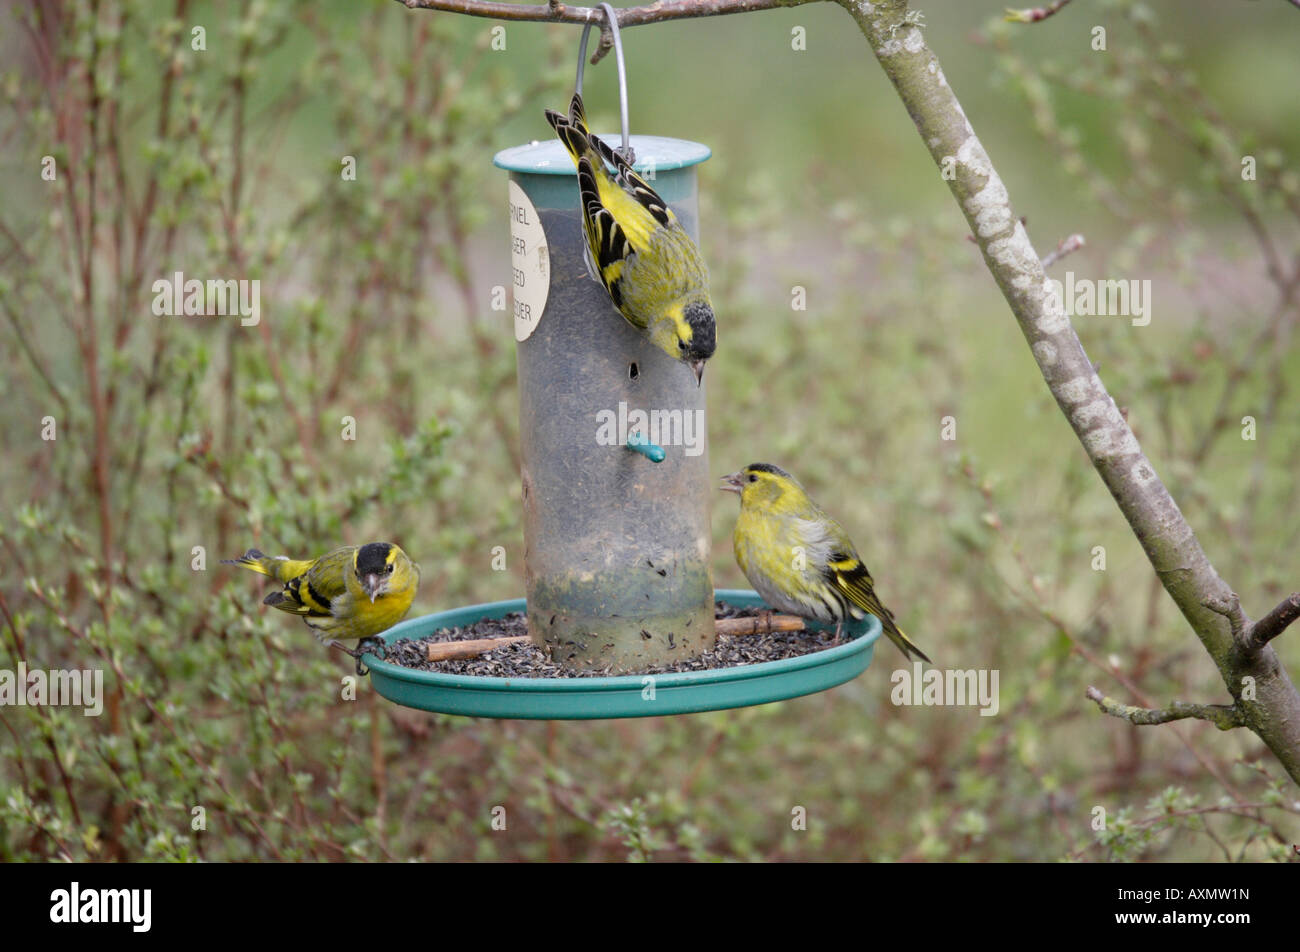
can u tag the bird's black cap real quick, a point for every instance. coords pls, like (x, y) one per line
(372, 558)
(704, 330)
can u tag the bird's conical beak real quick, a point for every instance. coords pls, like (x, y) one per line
(372, 586)
(734, 483)
(698, 367)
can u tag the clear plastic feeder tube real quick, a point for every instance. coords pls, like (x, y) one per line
(616, 546)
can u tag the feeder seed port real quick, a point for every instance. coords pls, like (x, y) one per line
(639, 444)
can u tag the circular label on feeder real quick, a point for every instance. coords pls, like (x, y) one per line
(530, 261)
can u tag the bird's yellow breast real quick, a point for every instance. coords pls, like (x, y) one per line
(764, 544)
(370, 618)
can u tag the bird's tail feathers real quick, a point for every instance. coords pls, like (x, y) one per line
(905, 644)
(577, 114)
(572, 129)
(852, 577)
(278, 567)
(581, 143)
(257, 561)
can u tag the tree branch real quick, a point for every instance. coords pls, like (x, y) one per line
(1034, 14)
(1275, 622)
(1223, 716)
(627, 16)
(1272, 710)
(555, 12)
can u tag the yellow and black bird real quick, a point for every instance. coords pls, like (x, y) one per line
(637, 248)
(798, 558)
(350, 592)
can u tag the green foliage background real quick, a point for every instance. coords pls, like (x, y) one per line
(179, 432)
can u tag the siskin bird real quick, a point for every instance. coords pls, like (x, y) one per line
(800, 559)
(351, 592)
(637, 249)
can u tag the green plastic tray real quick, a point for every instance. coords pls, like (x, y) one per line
(626, 696)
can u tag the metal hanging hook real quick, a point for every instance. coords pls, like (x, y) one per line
(612, 19)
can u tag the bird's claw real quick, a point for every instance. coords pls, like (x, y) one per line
(372, 645)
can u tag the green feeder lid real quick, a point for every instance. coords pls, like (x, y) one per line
(550, 158)
(685, 692)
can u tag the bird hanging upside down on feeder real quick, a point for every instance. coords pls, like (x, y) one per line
(351, 592)
(637, 249)
(800, 559)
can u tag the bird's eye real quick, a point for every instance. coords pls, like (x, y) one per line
(681, 345)
(753, 478)
(389, 570)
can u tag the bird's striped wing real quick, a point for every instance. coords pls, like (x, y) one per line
(620, 212)
(632, 183)
(311, 593)
(606, 239)
(298, 598)
(849, 577)
(580, 142)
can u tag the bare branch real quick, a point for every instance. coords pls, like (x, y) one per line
(1175, 553)
(1067, 246)
(554, 12)
(1223, 716)
(1034, 14)
(1275, 622)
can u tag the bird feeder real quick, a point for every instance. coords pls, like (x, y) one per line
(615, 480)
(613, 437)
(616, 545)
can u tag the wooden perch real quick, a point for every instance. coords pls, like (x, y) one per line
(458, 650)
(755, 625)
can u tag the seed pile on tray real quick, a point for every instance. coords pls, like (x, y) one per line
(526, 660)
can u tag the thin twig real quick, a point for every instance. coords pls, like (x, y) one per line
(1034, 14)
(1223, 716)
(1275, 622)
(1067, 246)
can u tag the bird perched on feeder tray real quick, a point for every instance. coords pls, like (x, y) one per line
(637, 249)
(351, 592)
(800, 559)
